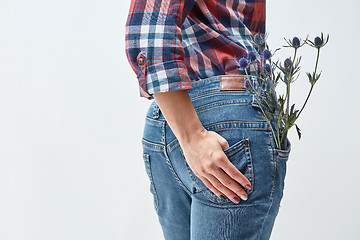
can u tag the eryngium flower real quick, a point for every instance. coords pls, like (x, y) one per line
(266, 54)
(296, 42)
(267, 69)
(288, 64)
(251, 56)
(243, 63)
(318, 42)
(258, 39)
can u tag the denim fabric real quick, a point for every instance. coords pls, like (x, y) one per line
(186, 208)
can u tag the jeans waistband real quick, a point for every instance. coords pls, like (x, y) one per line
(205, 84)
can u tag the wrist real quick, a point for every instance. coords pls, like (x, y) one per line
(194, 135)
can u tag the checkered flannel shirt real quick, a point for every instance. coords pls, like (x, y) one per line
(171, 43)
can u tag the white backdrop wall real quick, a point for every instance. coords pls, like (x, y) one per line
(71, 122)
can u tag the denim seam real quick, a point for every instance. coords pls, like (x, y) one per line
(194, 96)
(259, 125)
(187, 168)
(274, 163)
(146, 158)
(221, 103)
(251, 167)
(156, 147)
(153, 121)
(267, 214)
(207, 93)
(169, 162)
(210, 204)
(172, 145)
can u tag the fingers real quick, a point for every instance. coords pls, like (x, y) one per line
(235, 174)
(229, 193)
(211, 186)
(227, 185)
(220, 182)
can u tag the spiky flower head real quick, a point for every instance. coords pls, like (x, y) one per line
(258, 39)
(288, 64)
(318, 42)
(251, 56)
(266, 54)
(267, 69)
(296, 42)
(243, 63)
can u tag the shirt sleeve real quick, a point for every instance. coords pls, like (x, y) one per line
(153, 45)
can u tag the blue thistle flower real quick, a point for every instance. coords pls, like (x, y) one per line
(267, 69)
(288, 64)
(267, 54)
(259, 40)
(318, 42)
(296, 42)
(243, 63)
(251, 56)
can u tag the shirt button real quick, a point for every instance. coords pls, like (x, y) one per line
(141, 60)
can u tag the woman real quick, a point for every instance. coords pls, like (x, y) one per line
(213, 167)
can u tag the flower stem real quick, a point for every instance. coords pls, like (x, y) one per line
(317, 60)
(288, 96)
(307, 98)
(294, 54)
(268, 121)
(312, 84)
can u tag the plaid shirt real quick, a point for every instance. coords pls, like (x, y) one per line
(171, 43)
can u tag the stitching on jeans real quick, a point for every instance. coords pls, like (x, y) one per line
(155, 122)
(170, 165)
(223, 102)
(267, 214)
(151, 146)
(258, 125)
(274, 163)
(188, 170)
(218, 104)
(215, 91)
(146, 158)
(194, 96)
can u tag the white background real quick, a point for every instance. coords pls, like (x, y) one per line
(71, 121)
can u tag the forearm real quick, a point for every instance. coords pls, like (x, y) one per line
(180, 114)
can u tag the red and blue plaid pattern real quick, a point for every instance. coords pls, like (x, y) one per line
(171, 43)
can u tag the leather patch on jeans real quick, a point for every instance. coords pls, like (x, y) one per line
(232, 83)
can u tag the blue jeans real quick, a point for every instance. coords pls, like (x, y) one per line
(186, 208)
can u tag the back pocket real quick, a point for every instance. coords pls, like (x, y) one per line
(240, 156)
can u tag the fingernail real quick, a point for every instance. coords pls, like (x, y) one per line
(236, 200)
(248, 187)
(243, 197)
(222, 197)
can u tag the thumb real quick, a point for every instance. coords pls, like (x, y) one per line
(223, 142)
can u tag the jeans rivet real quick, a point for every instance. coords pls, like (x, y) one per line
(277, 153)
(246, 142)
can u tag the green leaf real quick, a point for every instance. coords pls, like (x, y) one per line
(298, 131)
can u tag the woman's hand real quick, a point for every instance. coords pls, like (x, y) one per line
(204, 153)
